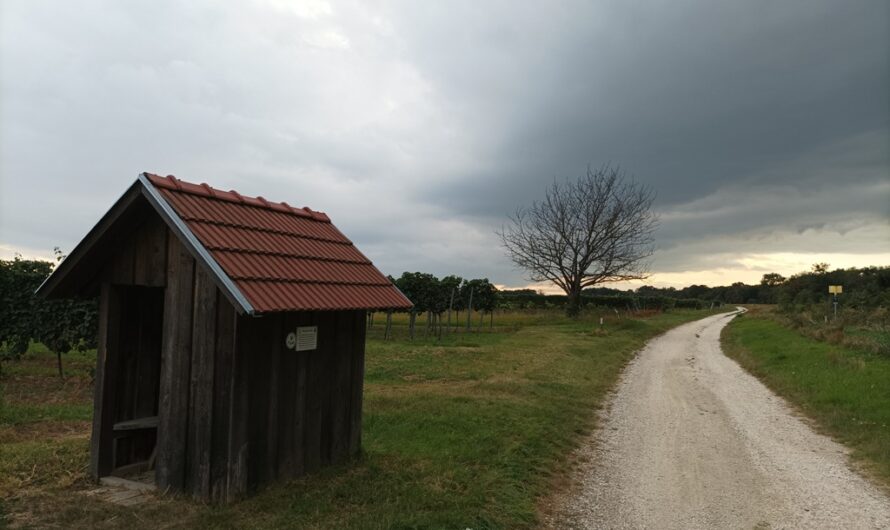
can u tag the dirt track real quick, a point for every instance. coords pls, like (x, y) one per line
(693, 441)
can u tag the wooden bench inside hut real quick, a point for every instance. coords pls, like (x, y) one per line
(231, 337)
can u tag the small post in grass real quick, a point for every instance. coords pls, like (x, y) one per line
(470, 310)
(835, 290)
(450, 305)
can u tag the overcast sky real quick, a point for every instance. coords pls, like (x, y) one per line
(763, 126)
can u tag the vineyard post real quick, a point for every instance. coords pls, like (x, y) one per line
(470, 310)
(411, 323)
(450, 305)
(387, 332)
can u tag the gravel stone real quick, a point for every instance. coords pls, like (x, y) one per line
(691, 440)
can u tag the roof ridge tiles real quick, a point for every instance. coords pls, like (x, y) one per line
(170, 182)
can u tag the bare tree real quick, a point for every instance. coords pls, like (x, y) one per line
(594, 230)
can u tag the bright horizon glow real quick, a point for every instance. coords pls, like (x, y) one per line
(8, 252)
(753, 269)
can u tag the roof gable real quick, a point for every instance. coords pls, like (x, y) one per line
(265, 256)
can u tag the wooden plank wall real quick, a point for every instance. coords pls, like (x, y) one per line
(201, 415)
(236, 408)
(305, 407)
(176, 353)
(141, 259)
(204, 338)
(223, 402)
(101, 450)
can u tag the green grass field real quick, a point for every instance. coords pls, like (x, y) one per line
(847, 391)
(473, 431)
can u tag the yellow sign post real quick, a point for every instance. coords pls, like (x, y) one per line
(835, 290)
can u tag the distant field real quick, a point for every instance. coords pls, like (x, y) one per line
(503, 321)
(846, 390)
(470, 431)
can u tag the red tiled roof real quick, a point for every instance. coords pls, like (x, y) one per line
(280, 257)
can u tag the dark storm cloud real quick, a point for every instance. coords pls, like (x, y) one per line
(686, 96)
(763, 126)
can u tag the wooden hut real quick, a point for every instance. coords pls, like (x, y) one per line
(231, 337)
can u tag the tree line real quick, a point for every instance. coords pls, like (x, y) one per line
(453, 302)
(600, 297)
(864, 288)
(448, 303)
(61, 325)
(442, 299)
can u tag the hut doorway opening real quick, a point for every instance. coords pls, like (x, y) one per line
(135, 351)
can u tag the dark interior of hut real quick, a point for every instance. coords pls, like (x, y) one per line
(138, 366)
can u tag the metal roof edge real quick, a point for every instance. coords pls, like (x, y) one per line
(192, 243)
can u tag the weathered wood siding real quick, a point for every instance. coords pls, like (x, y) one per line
(176, 354)
(236, 408)
(256, 411)
(305, 407)
(140, 258)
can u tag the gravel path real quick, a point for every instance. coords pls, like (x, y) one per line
(693, 441)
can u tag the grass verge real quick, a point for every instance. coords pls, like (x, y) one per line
(466, 432)
(846, 391)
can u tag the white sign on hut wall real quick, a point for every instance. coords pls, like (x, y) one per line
(305, 338)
